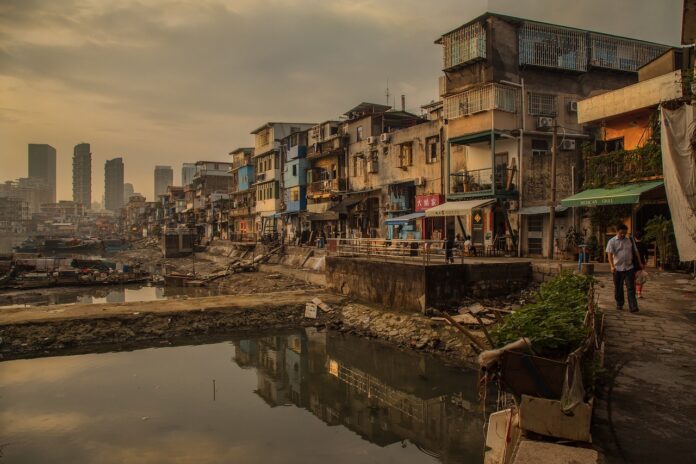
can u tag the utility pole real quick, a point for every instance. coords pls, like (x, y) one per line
(552, 205)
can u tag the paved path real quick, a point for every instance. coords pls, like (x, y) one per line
(647, 413)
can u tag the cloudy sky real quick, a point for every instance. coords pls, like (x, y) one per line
(171, 81)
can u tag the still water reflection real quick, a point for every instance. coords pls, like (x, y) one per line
(305, 397)
(105, 294)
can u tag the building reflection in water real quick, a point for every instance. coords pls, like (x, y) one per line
(384, 395)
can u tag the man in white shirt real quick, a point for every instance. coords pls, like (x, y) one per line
(621, 251)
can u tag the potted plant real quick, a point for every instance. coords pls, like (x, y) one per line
(660, 231)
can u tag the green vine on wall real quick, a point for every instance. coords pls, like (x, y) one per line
(622, 166)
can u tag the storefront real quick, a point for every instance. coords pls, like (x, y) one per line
(431, 228)
(470, 218)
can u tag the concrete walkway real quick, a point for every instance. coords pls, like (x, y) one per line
(646, 409)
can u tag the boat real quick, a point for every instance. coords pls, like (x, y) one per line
(34, 280)
(114, 245)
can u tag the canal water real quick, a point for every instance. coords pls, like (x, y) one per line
(101, 294)
(306, 397)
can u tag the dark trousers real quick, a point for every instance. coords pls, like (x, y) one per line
(629, 277)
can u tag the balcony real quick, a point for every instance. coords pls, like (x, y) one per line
(483, 98)
(622, 167)
(479, 183)
(240, 211)
(325, 187)
(329, 148)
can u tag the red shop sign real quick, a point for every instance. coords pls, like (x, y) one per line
(424, 202)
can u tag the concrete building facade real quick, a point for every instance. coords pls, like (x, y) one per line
(82, 174)
(113, 184)
(164, 177)
(42, 165)
(507, 82)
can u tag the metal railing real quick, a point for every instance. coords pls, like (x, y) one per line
(242, 237)
(481, 180)
(422, 252)
(464, 45)
(324, 186)
(484, 98)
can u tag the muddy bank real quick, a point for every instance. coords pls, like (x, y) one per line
(63, 329)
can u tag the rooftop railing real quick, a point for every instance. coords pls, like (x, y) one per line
(484, 98)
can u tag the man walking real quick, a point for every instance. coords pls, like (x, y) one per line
(621, 251)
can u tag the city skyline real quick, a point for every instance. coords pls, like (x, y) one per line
(126, 111)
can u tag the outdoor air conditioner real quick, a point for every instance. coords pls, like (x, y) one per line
(544, 122)
(419, 181)
(384, 138)
(372, 140)
(568, 145)
(572, 106)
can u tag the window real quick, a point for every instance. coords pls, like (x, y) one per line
(359, 133)
(358, 165)
(295, 195)
(431, 147)
(540, 104)
(262, 138)
(406, 155)
(540, 146)
(385, 151)
(535, 229)
(294, 170)
(608, 146)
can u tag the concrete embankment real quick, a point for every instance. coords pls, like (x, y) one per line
(53, 329)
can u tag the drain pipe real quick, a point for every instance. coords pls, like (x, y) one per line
(520, 157)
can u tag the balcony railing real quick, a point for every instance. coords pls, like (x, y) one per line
(329, 149)
(325, 186)
(243, 210)
(623, 166)
(485, 98)
(481, 181)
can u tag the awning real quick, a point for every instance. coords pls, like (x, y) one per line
(405, 219)
(477, 137)
(353, 199)
(622, 195)
(326, 216)
(530, 210)
(457, 208)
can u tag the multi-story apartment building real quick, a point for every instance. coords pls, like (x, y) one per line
(42, 166)
(242, 196)
(212, 177)
(14, 215)
(188, 170)
(113, 184)
(295, 165)
(164, 177)
(624, 165)
(326, 177)
(382, 173)
(268, 164)
(507, 83)
(82, 174)
(33, 191)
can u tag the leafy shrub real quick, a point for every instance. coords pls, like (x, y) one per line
(554, 322)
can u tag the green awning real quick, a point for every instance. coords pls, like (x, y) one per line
(627, 194)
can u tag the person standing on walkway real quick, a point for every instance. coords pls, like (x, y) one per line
(623, 261)
(449, 249)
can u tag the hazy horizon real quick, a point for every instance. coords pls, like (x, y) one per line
(165, 82)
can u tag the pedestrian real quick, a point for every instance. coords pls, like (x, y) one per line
(641, 276)
(449, 246)
(624, 262)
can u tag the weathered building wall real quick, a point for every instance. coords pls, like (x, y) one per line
(399, 286)
(635, 130)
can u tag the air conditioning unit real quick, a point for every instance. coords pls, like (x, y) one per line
(568, 145)
(419, 181)
(372, 167)
(372, 140)
(572, 106)
(544, 122)
(384, 138)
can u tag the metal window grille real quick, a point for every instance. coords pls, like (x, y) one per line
(464, 45)
(541, 104)
(621, 54)
(553, 47)
(488, 97)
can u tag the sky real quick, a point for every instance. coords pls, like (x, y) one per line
(163, 82)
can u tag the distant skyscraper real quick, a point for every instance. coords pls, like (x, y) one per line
(113, 184)
(42, 165)
(128, 191)
(82, 175)
(188, 170)
(164, 177)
